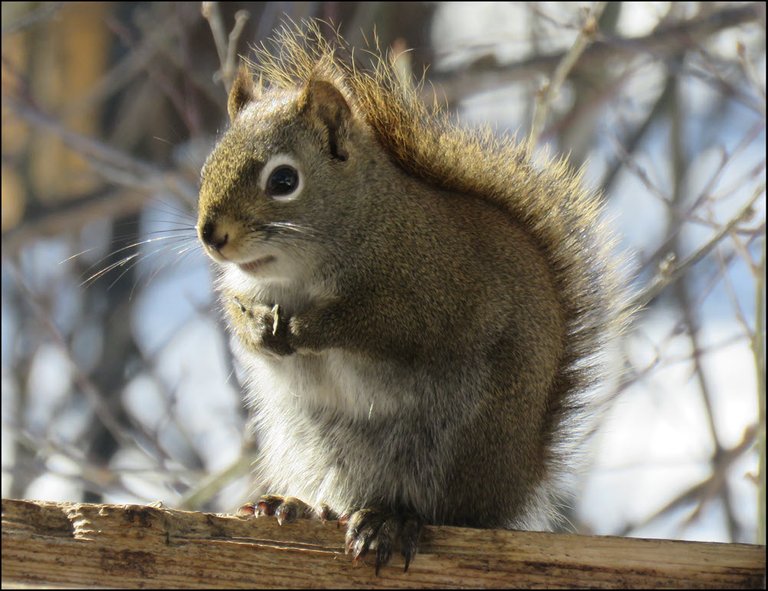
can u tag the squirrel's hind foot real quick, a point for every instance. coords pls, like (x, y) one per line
(368, 529)
(379, 530)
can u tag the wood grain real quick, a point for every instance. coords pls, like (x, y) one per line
(79, 544)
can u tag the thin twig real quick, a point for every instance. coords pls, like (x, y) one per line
(632, 141)
(691, 324)
(211, 13)
(551, 90)
(89, 389)
(114, 164)
(226, 45)
(749, 70)
(230, 66)
(672, 272)
(206, 488)
(702, 491)
(39, 12)
(758, 347)
(486, 72)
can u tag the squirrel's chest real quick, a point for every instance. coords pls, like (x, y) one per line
(333, 382)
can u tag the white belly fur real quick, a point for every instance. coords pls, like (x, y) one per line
(313, 412)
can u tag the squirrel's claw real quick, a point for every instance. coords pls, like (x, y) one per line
(285, 509)
(373, 529)
(367, 529)
(276, 332)
(409, 538)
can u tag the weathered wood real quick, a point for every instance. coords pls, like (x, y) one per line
(81, 544)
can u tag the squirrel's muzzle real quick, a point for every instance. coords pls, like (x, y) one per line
(212, 236)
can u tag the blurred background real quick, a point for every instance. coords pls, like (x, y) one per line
(117, 382)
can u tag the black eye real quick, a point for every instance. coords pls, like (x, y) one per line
(283, 181)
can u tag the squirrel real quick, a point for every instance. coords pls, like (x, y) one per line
(418, 307)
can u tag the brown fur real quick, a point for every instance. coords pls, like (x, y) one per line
(444, 279)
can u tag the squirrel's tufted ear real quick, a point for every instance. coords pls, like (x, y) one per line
(243, 91)
(325, 103)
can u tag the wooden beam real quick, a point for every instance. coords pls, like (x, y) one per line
(80, 544)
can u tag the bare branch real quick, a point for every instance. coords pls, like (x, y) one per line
(672, 272)
(38, 13)
(226, 45)
(550, 91)
(487, 72)
(758, 347)
(95, 398)
(114, 164)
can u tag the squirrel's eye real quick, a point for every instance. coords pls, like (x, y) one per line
(281, 178)
(282, 181)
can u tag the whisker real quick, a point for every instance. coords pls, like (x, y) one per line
(180, 256)
(291, 227)
(100, 273)
(179, 229)
(173, 209)
(146, 256)
(165, 227)
(177, 221)
(171, 241)
(78, 254)
(187, 249)
(133, 245)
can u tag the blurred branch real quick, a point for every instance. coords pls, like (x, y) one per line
(91, 474)
(69, 216)
(114, 165)
(631, 142)
(206, 488)
(670, 272)
(211, 13)
(39, 12)
(758, 348)
(662, 253)
(226, 45)
(166, 81)
(749, 70)
(756, 339)
(690, 321)
(705, 490)
(143, 51)
(487, 72)
(95, 398)
(551, 89)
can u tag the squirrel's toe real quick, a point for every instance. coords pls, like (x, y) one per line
(285, 509)
(374, 529)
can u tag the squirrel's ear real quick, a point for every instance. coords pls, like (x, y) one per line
(243, 91)
(325, 103)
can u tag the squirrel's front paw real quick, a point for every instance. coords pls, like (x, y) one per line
(263, 327)
(277, 332)
(285, 509)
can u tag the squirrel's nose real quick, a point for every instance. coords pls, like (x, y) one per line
(211, 238)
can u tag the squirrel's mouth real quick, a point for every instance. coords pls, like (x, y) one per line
(256, 265)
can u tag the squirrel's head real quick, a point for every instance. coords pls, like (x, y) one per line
(269, 187)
